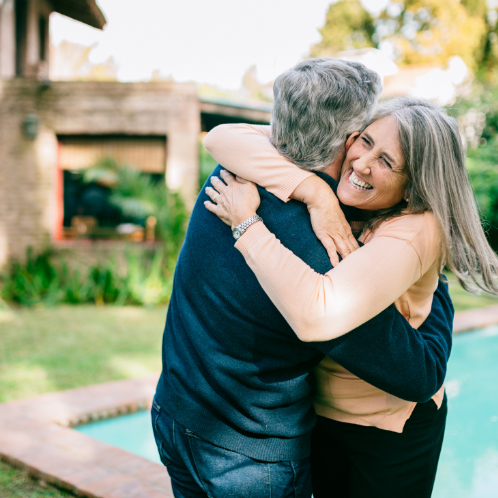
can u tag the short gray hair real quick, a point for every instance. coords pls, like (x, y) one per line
(318, 104)
(438, 181)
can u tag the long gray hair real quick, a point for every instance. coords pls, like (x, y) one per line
(438, 181)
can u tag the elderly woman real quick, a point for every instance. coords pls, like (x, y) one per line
(406, 175)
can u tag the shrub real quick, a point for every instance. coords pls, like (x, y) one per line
(206, 164)
(146, 278)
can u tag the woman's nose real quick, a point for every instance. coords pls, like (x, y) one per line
(363, 165)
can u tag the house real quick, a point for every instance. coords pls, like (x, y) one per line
(49, 130)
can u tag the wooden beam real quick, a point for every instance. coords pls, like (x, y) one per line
(85, 11)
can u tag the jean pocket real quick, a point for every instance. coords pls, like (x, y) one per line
(161, 433)
(189, 433)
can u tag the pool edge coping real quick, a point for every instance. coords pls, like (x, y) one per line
(36, 436)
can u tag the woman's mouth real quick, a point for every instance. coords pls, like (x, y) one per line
(357, 183)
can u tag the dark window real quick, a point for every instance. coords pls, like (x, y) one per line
(87, 209)
(91, 200)
(21, 12)
(42, 31)
(209, 121)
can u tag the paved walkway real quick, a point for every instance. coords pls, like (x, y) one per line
(475, 319)
(36, 434)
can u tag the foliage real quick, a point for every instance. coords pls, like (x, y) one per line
(462, 300)
(71, 61)
(348, 25)
(477, 112)
(253, 89)
(433, 31)
(418, 31)
(206, 164)
(145, 278)
(137, 195)
(482, 165)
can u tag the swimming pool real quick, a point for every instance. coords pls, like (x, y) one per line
(469, 461)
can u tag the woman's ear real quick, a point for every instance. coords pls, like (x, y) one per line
(351, 139)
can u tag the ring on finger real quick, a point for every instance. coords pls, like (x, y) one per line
(214, 198)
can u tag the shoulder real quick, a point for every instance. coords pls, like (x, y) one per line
(421, 231)
(410, 227)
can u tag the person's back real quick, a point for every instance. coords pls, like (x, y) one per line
(234, 372)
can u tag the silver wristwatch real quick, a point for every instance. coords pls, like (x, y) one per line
(239, 230)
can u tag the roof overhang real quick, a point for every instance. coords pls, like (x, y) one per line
(251, 110)
(85, 11)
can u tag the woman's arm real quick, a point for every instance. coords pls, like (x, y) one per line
(318, 307)
(246, 151)
(324, 307)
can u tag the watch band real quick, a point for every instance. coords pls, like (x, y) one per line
(239, 230)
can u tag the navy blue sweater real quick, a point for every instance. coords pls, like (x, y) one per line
(235, 373)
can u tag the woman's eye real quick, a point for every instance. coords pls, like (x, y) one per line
(386, 162)
(365, 141)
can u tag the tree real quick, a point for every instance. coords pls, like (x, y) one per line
(420, 31)
(348, 25)
(432, 31)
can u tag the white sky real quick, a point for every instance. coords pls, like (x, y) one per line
(207, 41)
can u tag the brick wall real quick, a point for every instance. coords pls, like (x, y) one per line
(28, 167)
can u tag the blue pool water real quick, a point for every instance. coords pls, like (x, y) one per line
(469, 461)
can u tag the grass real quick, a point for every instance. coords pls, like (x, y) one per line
(462, 300)
(16, 484)
(51, 349)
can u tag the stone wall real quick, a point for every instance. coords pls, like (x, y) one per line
(28, 168)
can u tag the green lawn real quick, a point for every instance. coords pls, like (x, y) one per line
(462, 300)
(51, 349)
(16, 484)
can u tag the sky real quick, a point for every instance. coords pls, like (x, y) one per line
(206, 41)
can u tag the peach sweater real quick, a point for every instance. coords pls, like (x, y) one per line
(399, 263)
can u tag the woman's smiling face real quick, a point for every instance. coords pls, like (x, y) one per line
(373, 175)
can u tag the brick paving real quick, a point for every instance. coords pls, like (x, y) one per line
(36, 434)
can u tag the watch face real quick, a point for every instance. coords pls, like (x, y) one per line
(236, 233)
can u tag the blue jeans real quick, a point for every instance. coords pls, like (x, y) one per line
(199, 468)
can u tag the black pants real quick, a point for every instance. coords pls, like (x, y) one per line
(353, 461)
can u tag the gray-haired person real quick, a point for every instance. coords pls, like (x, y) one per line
(233, 413)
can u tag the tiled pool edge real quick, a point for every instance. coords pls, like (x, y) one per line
(36, 434)
(476, 318)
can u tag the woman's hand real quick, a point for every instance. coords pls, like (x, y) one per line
(327, 219)
(234, 201)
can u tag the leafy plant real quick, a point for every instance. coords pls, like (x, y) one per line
(206, 164)
(482, 164)
(145, 278)
(138, 196)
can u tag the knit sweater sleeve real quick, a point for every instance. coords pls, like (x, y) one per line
(246, 151)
